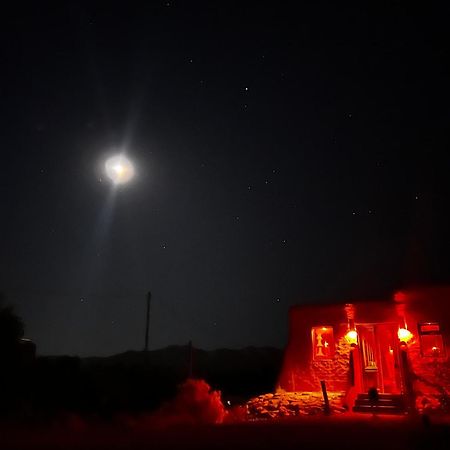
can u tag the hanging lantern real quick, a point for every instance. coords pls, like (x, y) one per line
(404, 335)
(352, 337)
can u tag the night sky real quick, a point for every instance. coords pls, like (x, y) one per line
(283, 154)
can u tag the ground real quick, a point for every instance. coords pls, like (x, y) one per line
(334, 432)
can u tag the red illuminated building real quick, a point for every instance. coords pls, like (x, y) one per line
(399, 347)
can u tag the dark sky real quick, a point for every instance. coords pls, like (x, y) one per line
(284, 155)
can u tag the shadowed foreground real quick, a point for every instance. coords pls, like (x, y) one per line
(332, 433)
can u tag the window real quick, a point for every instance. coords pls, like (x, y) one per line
(323, 342)
(431, 342)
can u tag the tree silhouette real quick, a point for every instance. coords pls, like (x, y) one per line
(11, 376)
(11, 326)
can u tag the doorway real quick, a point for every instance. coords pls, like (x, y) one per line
(378, 347)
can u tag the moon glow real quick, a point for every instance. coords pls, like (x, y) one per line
(119, 169)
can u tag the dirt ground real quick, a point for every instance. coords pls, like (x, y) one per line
(356, 431)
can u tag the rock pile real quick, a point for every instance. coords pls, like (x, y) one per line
(286, 404)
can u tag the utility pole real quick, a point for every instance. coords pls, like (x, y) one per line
(147, 321)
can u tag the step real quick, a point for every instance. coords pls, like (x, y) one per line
(380, 402)
(381, 396)
(379, 409)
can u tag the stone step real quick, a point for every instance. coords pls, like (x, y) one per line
(380, 402)
(381, 396)
(378, 409)
(385, 404)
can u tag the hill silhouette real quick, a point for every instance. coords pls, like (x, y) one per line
(138, 381)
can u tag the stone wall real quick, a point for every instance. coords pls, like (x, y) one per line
(334, 372)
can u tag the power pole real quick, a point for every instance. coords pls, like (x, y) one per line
(147, 321)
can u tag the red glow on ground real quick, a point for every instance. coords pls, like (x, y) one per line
(342, 431)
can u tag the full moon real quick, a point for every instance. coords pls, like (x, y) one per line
(119, 169)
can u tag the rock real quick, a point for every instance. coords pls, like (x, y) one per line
(283, 404)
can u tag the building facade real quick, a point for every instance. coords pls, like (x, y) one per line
(399, 347)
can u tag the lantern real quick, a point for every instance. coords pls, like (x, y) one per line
(404, 335)
(352, 337)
